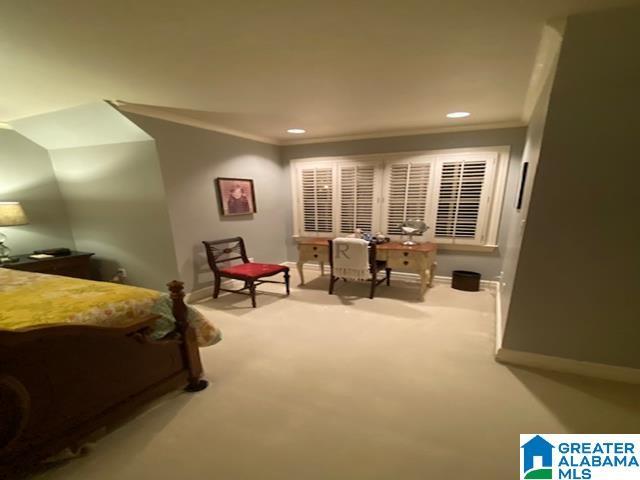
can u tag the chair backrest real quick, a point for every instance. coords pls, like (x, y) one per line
(225, 250)
(337, 244)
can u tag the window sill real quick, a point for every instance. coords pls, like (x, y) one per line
(448, 247)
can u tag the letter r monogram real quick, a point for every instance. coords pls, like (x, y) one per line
(342, 250)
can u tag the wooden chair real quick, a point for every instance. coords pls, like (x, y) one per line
(374, 267)
(251, 273)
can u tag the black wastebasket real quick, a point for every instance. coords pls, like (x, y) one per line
(464, 280)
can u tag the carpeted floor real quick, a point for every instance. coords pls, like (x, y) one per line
(342, 387)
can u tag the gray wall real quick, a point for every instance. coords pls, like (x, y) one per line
(27, 177)
(116, 205)
(576, 291)
(191, 158)
(488, 264)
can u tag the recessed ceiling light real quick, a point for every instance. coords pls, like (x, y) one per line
(296, 130)
(458, 114)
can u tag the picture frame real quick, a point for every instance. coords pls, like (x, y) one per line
(236, 196)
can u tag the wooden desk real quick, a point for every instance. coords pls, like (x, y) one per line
(419, 259)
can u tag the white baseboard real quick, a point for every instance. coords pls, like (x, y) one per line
(199, 294)
(557, 364)
(499, 319)
(403, 276)
(567, 365)
(205, 292)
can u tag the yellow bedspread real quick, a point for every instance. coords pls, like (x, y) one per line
(31, 299)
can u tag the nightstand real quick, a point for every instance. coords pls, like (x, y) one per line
(74, 265)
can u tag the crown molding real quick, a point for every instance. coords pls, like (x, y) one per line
(5, 126)
(175, 118)
(157, 112)
(544, 65)
(407, 133)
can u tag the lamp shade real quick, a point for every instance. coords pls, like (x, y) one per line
(12, 214)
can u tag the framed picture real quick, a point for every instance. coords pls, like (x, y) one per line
(236, 196)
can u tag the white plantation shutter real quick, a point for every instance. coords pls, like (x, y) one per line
(462, 199)
(316, 184)
(458, 194)
(357, 197)
(407, 193)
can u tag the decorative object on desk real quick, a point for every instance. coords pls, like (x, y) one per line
(236, 196)
(357, 233)
(11, 215)
(412, 227)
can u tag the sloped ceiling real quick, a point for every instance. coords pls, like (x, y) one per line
(96, 123)
(334, 67)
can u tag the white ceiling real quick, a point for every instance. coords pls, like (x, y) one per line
(336, 68)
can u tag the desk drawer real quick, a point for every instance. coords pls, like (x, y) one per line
(412, 261)
(313, 253)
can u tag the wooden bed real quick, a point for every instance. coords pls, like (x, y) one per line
(59, 384)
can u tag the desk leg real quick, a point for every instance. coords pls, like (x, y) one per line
(432, 273)
(424, 282)
(322, 268)
(301, 272)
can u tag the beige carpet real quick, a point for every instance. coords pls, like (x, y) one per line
(342, 387)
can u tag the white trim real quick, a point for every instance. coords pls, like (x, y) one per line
(205, 292)
(156, 112)
(568, 365)
(544, 64)
(159, 112)
(5, 126)
(403, 154)
(461, 247)
(199, 294)
(499, 325)
(499, 191)
(406, 133)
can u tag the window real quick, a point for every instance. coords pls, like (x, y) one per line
(463, 196)
(407, 186)
(457, 193)
(358, 195)
(317, 199)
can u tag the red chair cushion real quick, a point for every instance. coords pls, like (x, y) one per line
(252, 271)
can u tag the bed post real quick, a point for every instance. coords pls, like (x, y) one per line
(189, 347)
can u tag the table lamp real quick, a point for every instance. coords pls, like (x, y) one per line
(11, 215)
